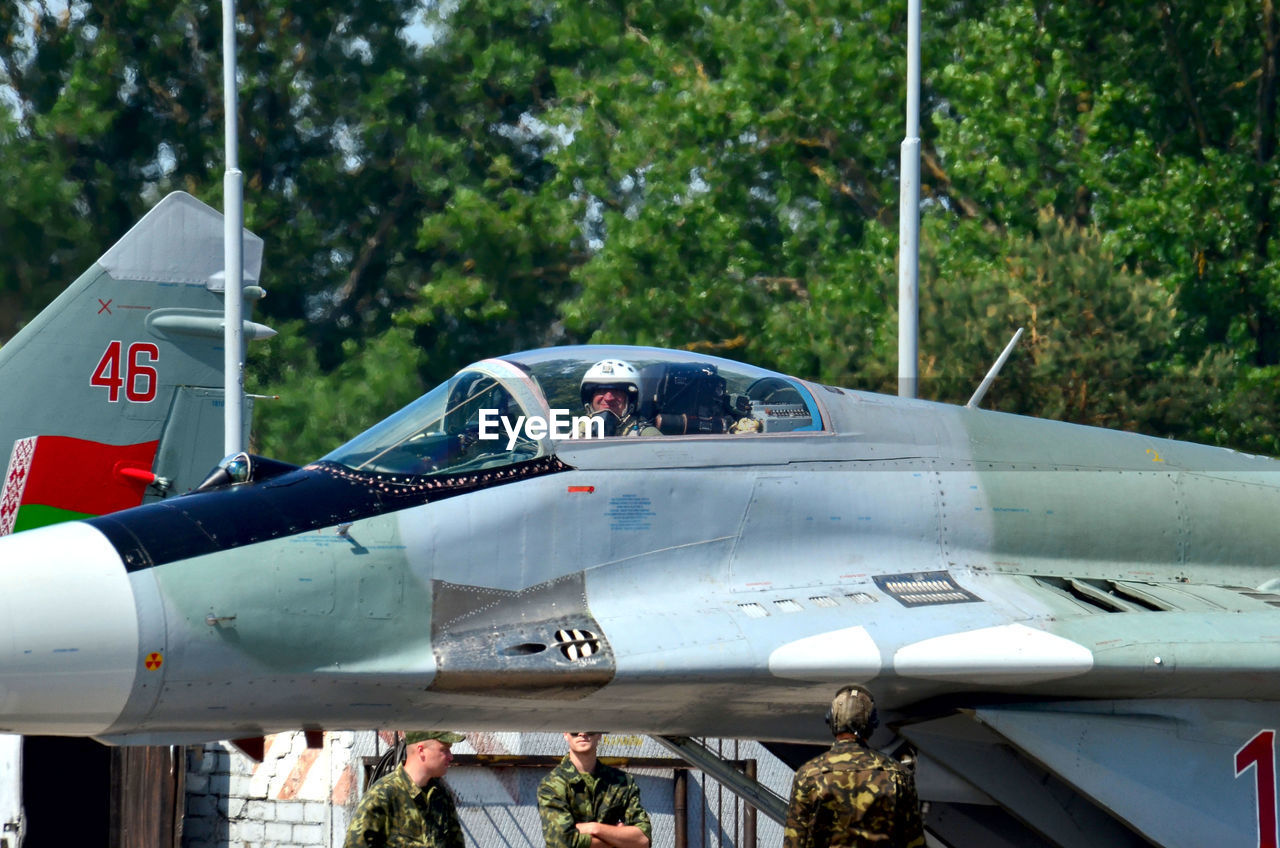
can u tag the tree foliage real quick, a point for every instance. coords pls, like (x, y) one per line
(444, 183)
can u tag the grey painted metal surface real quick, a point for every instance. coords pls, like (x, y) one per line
(114, 396)
(958, 561)
(990, 377)
(235, 421)
(106, 363)
(909, 219)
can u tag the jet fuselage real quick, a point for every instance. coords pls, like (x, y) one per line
(705, 584)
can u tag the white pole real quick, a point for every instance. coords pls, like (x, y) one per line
(233, 248)
(909, 219)
(994, 371)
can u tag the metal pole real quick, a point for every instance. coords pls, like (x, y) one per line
(719, 799)
(701, 757)
(909, 219)
(994, 371)
(233, 248)
(680, 806)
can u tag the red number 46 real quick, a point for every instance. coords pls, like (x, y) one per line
(1259, 753)
(138, 378)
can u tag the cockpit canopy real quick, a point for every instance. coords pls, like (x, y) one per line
(515, 408)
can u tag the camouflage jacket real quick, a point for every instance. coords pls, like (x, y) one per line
(396, 813)
(853, 796)
(567, 796)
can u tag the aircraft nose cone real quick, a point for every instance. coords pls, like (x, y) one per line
(68, 632)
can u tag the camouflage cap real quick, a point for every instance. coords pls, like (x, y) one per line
(853, 710)
(448, 737)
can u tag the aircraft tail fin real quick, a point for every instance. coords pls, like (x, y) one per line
(114, 392)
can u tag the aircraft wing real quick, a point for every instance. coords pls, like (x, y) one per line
(1175, 771)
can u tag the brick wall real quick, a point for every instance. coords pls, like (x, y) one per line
(296, 797)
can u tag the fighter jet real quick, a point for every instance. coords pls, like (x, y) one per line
(113, 393)
(1077, 625)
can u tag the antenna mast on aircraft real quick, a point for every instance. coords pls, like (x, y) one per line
(909, 218)
(233, 248)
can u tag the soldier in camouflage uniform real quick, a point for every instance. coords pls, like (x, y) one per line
(411, 807)
(587, 804)
(853, 795)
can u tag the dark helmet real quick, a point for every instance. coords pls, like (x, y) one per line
(853, 710)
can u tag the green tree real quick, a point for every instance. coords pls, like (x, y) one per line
(1154, 122)
(722, 176)
(41, 226)
(387, 179)
(734, 161)
(118, 105)
(465, 259)
(1101, 342)
(743, 158)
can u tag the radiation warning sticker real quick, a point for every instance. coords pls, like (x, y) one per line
(153, 661)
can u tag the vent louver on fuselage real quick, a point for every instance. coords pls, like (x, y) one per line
(924, 589)
(1108, 595)
(1268, 598)
(1112, 596)
(577, 644)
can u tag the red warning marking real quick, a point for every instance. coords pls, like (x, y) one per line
(127, 472)
(581, 490)
(344, 786)
(153, 661)
(1259, 754)
(293, 783)
(106, 307)
(133, 372)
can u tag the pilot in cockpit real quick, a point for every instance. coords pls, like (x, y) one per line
(610, 390)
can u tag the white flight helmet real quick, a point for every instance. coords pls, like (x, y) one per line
(611, 372)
